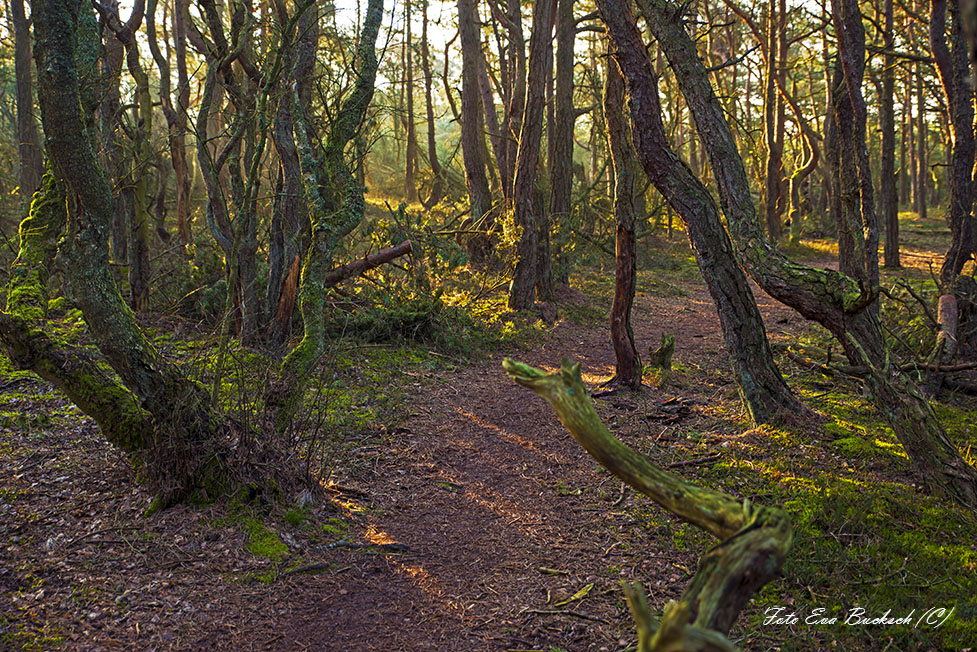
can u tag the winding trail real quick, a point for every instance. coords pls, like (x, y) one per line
(506, 517)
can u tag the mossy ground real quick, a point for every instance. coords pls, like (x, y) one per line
(866, 534)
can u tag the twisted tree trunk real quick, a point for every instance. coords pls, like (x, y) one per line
(65, 43)
(762, 389)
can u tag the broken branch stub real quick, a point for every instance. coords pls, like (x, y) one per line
(754, 539)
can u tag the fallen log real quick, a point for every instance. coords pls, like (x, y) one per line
(754, 539)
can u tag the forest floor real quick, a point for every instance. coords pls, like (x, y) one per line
(473, 521)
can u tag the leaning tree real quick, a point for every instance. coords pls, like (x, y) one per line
(841, 302)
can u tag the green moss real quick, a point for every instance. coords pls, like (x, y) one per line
(296, 516)
(14, 636)
(855, 446)
(264, 542)
(859, 539)
(335, 526)
(24, 421)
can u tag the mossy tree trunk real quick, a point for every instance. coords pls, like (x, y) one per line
(289, 230)
(337, 205)
(30, 346)
(836, 301)
(232, 173)
(66, 43)
(764, 393)
(754, 540)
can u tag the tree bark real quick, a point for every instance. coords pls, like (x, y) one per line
(859, 220)
(437, 183)
(956, 79)
(627, 370)
(922, 169)
(888, 200)
(471, 113)
(561, 132)
(410, 167)
(774, 162)
(522, 289)
(31, 165)
(175, 115)
(290, 226)
(29, 345)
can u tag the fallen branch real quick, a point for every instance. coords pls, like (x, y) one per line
(357, 267)
(754, 539)
(696, 461)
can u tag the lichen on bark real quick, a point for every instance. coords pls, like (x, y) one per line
(337, 206)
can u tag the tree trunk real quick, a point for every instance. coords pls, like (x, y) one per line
(289, 227)
(410, 169)
(627, 371)
(437, 184)
(922, 169)
(888, 201)
(835, 301)
(29, 346)
(65, 33)
(859, 220)
(774, 162)
(337, 206)
(561, 133)
(28, 142)
(175, 115)
(521, 291)
(517, 95)
(762, 389)
(955, 76)
(138, 246)
(471, 115)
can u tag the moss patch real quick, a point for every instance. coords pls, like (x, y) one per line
(264, 542)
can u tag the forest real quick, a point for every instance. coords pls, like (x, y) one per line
(284, 281)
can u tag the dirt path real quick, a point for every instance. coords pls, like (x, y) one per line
(515, 539)
(506, 517)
